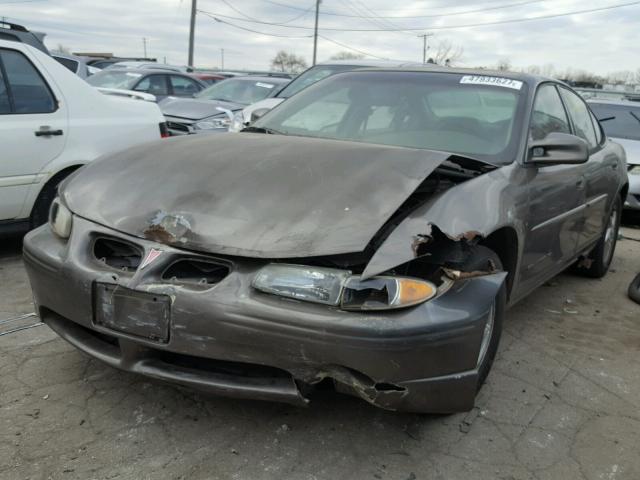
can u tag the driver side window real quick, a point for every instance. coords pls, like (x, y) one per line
(548, 114)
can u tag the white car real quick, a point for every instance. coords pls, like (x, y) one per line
(310, 76)
(51, 123)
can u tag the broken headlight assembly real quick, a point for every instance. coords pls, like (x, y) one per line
(339, 288)
(60, 219)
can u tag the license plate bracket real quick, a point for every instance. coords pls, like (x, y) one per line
(140, 314)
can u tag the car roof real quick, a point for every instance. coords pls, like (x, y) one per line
(527, 78)
(259, 78)
(624, 103)
(370, 63)
(147, 71)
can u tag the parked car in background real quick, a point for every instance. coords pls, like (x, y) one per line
(368, 233)
(310, 76)
(212, 109)
(75, 64)
(150, 66)
(621, 122)
(18, 33)
(159, 83)
(51, 123)
(209, 78)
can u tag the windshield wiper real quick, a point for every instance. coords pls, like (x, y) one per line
(634, 116)
(606, 119)
(269, 131)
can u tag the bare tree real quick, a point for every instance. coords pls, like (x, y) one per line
(503, 64)
(622, 77)
(64, 50)
(347, 56)
(446, 53)
(288, 62)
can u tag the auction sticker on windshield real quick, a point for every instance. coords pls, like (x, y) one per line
(264, 85)
(495, 81)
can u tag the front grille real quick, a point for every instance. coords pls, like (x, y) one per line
(117, 254)
(196, 273)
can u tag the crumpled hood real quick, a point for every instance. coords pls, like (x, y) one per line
(194, 108)
(258, 195)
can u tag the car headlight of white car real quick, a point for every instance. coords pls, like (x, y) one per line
(217, 122)
(339, 288)
(60, 219)
(634, 170)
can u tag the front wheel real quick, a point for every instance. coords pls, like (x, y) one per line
(601, 256)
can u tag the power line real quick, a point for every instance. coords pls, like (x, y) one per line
(304, 12)
(249, 29)
(352, 48)
(449, 14)
(447, 27)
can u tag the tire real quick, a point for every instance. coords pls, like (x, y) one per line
(40, 211)
(601, 256)
(634, 289)
(483, 259)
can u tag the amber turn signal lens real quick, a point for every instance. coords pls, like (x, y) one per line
(385, 293)
(412, 291)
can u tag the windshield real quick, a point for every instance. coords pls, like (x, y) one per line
(436, 111)
(311, 76)
(626, 121)
(121, 80)
(244, 91)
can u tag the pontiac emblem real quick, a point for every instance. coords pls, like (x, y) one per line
(151, 257)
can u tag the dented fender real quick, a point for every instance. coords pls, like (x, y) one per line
(467, 213)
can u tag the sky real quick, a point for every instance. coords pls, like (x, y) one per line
(600, 42)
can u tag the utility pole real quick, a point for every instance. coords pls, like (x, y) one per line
(315, 33)
(222, 59)
(424, 46)
(144, 46)
(192, 29)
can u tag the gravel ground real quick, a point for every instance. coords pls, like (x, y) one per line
(562, 402)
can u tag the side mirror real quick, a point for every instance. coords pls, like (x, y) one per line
(558, 149)
(256, 114)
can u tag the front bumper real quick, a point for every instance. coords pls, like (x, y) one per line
(232, 340)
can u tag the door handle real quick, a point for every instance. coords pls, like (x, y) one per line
(614, 165)
(46, 132)
(580, 184)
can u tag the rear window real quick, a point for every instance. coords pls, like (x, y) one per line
(619, 121)
(110, 79)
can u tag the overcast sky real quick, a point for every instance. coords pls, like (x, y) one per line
(601, 42)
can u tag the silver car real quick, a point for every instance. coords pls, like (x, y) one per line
(621, 122)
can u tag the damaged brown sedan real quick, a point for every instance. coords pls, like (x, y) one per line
(368, 233)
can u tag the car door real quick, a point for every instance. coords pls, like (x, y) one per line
(33, 123)
(556, 197)
(183, 86)
(155, 84)
(600, 171)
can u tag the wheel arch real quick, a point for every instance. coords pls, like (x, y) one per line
(505, 243)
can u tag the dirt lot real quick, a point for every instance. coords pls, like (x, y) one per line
(562, 402)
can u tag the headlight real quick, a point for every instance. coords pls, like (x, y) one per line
(60, 219)
(238, 122)
(312, 284)
(213, 123)
(338, 287)
(634, 170)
